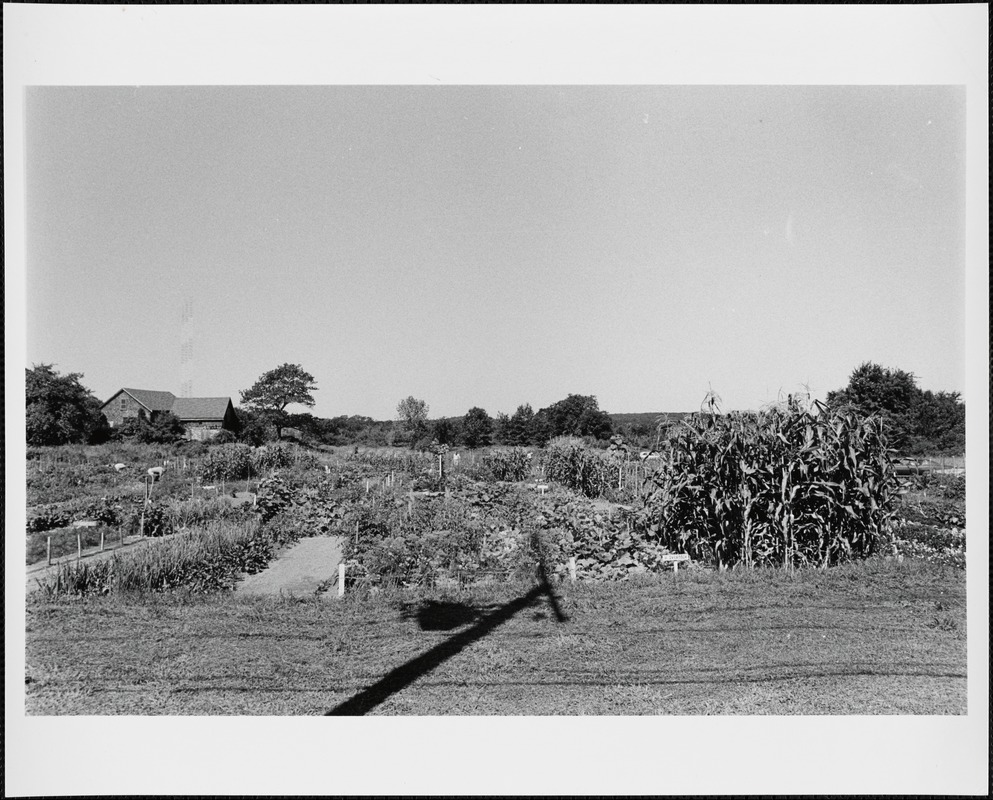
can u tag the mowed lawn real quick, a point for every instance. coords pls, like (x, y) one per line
(874, 638)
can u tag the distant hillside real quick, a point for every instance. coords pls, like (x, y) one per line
(649, 418)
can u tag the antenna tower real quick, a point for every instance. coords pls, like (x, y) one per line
(186, 350)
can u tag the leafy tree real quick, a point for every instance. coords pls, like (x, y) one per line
(919, 422)
(445, 431)
(503, 432)
(521, 429)
(60, 410)
(275, 390)
(577, 415)
(889, 393)
(412, 416)
(477, 428)
(939, 424)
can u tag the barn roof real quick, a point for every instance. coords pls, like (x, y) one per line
(188, 408)
(153, 401)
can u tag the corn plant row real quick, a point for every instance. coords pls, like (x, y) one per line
(589, 472)
(786, 486)
(513, 464)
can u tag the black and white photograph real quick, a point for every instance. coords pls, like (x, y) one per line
(594, 416)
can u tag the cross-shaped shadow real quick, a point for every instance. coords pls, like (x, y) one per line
(445, 616)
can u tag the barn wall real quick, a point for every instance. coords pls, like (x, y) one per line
(200, 431)
(121, 407)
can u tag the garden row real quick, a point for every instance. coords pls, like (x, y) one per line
(787, 487)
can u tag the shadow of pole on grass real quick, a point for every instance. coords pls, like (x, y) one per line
(404, 675)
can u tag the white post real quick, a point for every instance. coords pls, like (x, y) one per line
(48, 550)
(341, 579)
(79, 545)
(101, 540)
(572, 569)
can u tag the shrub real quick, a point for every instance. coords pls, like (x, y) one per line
(223, 436)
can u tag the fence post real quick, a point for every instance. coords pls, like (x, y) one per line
(79, 545)
(48, 550)
(572, 569)
(101, 540)
(341, 579)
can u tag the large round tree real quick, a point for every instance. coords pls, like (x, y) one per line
(277, 389)
(477, 428)
(60, 410)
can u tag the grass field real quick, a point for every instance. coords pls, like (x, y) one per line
(878, 637)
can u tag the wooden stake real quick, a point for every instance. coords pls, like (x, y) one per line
(79, 545)
(48, 550)
(101, 540)
(572, 569)
(341, 579)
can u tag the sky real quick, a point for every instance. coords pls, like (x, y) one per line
(497, 245)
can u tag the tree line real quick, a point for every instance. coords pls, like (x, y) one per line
(60, 410)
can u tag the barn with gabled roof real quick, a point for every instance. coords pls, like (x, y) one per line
(203, 417)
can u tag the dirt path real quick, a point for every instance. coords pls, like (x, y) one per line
(299, 571)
